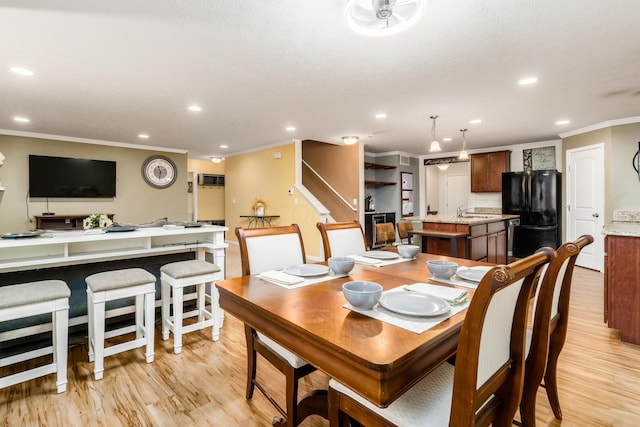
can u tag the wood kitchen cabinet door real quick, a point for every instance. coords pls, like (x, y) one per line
(487, 169)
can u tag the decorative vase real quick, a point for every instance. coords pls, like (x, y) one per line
(260, 211)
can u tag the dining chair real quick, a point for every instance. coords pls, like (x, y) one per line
(403, 230)
(485, 385)
(385, 234)
(546, 339)
(342, 238)
(263, 249)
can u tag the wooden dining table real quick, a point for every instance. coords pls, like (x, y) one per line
(377, 360)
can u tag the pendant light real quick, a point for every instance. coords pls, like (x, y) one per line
(463, 154)
(435, 145)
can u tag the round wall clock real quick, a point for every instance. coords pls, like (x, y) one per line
(159, 171)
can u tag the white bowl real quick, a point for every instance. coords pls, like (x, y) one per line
(408, 251)
(341, 264)
(442, 269)
(362, 294)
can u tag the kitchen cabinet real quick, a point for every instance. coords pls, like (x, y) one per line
(622, 290)
(487, 169)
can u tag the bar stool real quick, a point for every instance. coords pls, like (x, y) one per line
(114, 285)
(175, 276)
(31, 299)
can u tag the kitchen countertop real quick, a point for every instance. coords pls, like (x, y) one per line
(468, 219)
(622, 228)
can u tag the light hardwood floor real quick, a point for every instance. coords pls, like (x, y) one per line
(599, 379)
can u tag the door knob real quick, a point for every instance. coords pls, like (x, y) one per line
(596, 215)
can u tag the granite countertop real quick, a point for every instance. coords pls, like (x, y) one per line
(622, 228)
(625, 223)
(468, 219)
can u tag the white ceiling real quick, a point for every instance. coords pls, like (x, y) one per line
(108, 70)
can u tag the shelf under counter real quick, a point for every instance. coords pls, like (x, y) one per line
(76, 247)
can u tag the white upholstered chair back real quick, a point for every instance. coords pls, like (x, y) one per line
(270, 248)
(556, 289)
(347, 241)
(342, 238)
(495, 341)
(273, 252)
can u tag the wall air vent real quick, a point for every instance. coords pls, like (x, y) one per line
(210, 180)
(405, 161)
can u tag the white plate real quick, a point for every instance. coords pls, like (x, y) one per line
(473, 274)
(414, 304)
(307, 270)
(381, 255)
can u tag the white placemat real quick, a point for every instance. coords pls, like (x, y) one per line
(359, 259)
(414, 324)
(289, 281)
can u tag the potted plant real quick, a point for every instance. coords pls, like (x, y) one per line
(259, 206)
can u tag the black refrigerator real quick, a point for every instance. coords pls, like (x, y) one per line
(536, 196)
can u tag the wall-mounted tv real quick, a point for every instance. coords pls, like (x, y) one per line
(67, 177)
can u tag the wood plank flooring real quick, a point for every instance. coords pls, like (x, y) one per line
(599, 379)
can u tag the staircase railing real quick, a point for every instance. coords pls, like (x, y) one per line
(329, 187)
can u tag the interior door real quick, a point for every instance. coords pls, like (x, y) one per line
(585, 202)
(456, 192)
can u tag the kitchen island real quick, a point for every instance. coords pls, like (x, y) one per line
(479, 236)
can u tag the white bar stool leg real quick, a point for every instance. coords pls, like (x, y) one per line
(215, 312)
(60, 325)
(149, 323)
(98, 337)
(165, 296)
(177, 319)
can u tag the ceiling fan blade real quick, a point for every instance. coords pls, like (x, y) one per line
(397, 19)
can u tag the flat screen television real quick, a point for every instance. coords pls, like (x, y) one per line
(67, 177)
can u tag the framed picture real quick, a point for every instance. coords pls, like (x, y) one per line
(407, 180)
(407, 193)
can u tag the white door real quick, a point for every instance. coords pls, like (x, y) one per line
(585, 202)
(456, 192)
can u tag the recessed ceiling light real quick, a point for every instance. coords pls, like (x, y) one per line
(143, 135)
(381, 116)
(446, 139)
(22, 71)
(475, 121)
(224, 146)
(290, 128)
(528, 81)
(195, 108)
(563, 122)
(21, 119)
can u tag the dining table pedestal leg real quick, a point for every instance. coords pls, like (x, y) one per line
(314, 403)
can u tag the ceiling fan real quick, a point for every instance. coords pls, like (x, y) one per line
(382, 17)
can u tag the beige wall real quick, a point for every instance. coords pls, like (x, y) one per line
(210, 199)
(135, 201)
(624, 183)
(260, 175)
(622, 188)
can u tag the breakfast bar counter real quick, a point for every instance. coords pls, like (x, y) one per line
(73, 255)
(58, 248)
